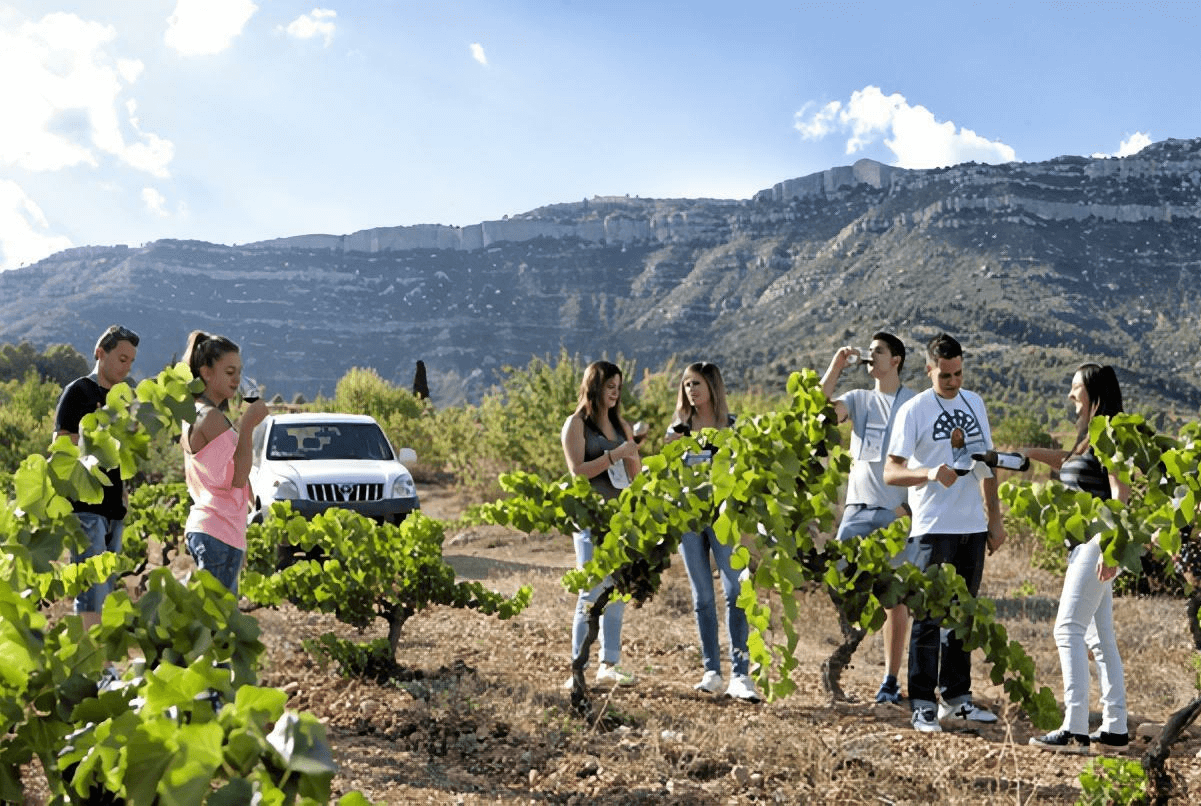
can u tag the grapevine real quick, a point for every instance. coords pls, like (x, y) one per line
(768, 490)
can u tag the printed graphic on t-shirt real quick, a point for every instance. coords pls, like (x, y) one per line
(964, 432)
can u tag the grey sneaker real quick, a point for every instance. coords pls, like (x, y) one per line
(613, 674)
(711, 683)
(967, 710)
(1060, 741)
(925, 721)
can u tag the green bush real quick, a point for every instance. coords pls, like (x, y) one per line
(26, 418)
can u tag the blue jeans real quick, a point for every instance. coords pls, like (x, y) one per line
(103, 535)
(695, 550)
(859, 520)
(220, 559)
(933, 662)
(610, 622)
(1084, 624)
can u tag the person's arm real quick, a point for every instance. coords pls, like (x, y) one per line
(1054, 457)
(572, 437)
(837, 363)
(67, 415)
(992, 506)
(898, 473)
(254, 414)
(633, 460)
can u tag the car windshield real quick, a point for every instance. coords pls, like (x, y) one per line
(328, 441)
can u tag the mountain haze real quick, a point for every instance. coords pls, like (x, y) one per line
(1034, 266)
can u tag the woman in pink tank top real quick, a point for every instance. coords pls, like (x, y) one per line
(217, 458)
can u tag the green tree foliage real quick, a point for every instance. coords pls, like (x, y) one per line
(59, 364)
(768, 490)
(1022, 430)
(366, 571)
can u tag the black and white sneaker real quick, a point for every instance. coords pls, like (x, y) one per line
(925, 720)
(967, 711)
(1110, 739)
(1061, 741)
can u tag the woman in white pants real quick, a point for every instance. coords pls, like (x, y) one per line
(1085, 619)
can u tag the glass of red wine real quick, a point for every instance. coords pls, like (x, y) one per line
(249, 389)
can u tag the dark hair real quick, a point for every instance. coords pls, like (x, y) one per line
(717, 393)
(116, 334)
(592, 389)
(895, 346)
(204, 350)
(1104, 397)
(942, 347)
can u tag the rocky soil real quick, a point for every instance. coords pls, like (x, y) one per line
(485, 719)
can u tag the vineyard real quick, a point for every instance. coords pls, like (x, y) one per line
(425, 663)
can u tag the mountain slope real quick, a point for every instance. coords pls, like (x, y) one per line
(1035, 266)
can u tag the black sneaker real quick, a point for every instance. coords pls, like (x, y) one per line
(1061, 741)
(887, 693)
(1110, 739)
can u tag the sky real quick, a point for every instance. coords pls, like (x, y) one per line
(233, 121)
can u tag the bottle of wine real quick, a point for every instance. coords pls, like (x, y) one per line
(1007, 460)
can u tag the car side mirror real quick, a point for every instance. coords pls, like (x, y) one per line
(406, 456)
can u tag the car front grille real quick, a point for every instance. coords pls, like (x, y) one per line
(345, 492)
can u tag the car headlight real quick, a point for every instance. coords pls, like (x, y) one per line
(286, 491)
(404, 487)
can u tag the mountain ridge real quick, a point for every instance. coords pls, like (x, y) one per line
(1035, 266)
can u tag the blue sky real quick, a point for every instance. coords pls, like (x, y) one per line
(241, 120)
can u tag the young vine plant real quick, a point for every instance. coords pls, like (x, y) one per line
(185, 723)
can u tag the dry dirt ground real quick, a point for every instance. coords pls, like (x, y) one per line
(484, 718)
(486, 721)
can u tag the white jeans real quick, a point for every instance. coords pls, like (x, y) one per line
(1085, 623)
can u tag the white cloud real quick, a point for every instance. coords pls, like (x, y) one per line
(1131, 145)
(477, 53)
(915, 137)
(23, 229)
(155, 202)
(64, 109)
(205, 27)
(318, 23)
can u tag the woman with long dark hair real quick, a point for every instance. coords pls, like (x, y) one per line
(1084, 623)
(700, 405)
(598, 444)
(217, 458)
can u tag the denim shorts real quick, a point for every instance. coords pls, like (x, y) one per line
(220, 559)
(103, 535)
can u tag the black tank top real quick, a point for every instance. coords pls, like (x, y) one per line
(1085, 472)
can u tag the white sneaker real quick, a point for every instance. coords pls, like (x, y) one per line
(614, 674)
(967, 711)
(711, 683)
(742, 687)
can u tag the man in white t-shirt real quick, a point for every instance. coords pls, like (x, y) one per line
(956, 517)
(870, 503)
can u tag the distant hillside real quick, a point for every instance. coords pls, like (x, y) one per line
(1035, 266)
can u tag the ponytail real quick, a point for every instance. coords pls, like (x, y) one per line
(205, 349)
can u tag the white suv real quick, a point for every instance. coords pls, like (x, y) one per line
(319, 461)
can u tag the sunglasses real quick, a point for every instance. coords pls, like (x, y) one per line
(115, 335)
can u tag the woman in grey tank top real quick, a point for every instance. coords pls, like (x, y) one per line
(599, 445)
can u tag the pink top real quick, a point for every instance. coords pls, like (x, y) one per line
(218, 509)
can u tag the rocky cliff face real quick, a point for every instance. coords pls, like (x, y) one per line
(1035, 266)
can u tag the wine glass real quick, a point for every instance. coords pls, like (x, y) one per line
(249, 389)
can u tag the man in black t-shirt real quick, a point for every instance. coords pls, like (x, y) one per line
(104, 522)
